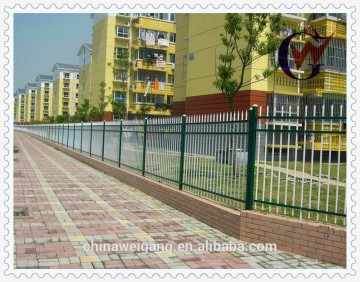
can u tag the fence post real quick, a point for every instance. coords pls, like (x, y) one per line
(120, 142)
(58, 133)
(103, 143)
(67, 137)
(182, 151)
(251, 157)
(81, 133)
(74, 138)
(90, 138)
(62, 136)
(144, 147)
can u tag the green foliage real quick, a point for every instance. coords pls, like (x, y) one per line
(100, 111)
(143, 111)
(83, 111)
(247, 38)
(163, 107)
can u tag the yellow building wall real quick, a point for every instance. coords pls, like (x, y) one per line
(59, 99)
(21, 109)
(102, 58)
(182, 32)
(41, 104)
(84, 84)
(104, 63)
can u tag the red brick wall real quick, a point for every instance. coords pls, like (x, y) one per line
(310, 239)
(178, 108)
(314, 240)
(217, 103)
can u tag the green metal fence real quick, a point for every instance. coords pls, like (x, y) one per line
(288, 163)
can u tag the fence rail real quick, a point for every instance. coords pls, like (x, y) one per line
(287, 163)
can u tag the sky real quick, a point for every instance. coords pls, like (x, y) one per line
(41, 40)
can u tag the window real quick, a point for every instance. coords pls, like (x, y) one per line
(47, 84)
(46, 93)
(65, 104)
(172, 37)
(122, 31)
(46, 108)
(32, 104)
(148, 99)
(46, 115)
(46, 100)
(77, 86)
(65, 113)
(66, 85)
(150, 55)
(119, 97)
(316, 16)
(169, 100)
(171, 79)
(173, 17)
(121, 53)
(151, 76)
(66, 75)
(76, 104)
(120, 75)
(66, 94)
(281, 102)
(161, 35)
(77, 95)
(172, 58)
(77, 76)
(33, 92)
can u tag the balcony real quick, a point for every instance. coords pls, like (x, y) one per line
(153, 65)
(140, 87)
(293, 17)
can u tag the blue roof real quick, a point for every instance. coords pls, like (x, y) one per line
(30, 84)
(67, 66)
(45, 77)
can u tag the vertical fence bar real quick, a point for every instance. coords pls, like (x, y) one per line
(103, 143)
(251, 157)
(182, 151)
(58, 133)
(144, 147)
(91, 125)
(62, 136)
(74, 138)
(120, 142)
(81, 134)
(67, 137)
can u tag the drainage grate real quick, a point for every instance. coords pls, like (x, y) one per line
(18, 212)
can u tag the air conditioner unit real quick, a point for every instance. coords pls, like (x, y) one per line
(127, 22)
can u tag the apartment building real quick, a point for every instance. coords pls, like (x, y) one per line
(65, 89)
(30, 102)
(199, 46)
(85, 58)
(149, 39)
(19, 106)
(44, 96)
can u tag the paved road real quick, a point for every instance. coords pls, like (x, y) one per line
(75, 210)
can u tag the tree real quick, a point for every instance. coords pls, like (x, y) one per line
(142, 112)
(83, 111)
(247, 38)
(122, 71)
(102, 102)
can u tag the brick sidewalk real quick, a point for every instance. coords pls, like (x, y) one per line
(71, 205)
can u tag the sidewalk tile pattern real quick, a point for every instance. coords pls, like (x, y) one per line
(71, 205)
